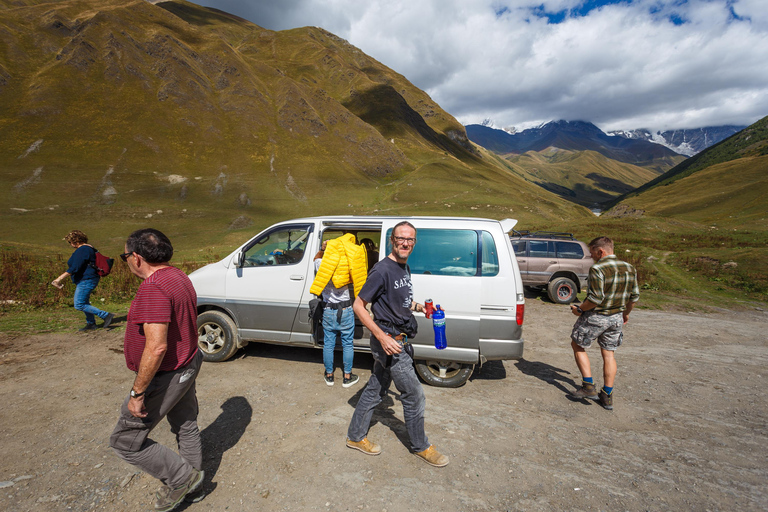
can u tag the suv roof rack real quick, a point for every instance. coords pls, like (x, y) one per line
(524, 233)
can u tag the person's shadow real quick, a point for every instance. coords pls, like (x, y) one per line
(549, 374)
(384, 414)
(221, 435)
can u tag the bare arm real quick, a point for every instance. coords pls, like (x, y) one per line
(57, 282)
(625, 314)
(389, 345)
(584, 306)
(154, 352)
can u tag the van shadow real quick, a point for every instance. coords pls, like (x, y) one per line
(492, 370)
(362, 360)
(549, 374)
(384, 414)
(222, 434)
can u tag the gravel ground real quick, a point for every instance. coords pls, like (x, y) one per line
(688, 431)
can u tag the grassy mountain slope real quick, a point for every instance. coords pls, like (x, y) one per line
(116, 115)
(750, 142)
(730, 194)
(584, 177)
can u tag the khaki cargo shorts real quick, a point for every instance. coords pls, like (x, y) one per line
(605, 328)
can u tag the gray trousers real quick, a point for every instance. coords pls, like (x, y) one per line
(170, 395)
(403, 374)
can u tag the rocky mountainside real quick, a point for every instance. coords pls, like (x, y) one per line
(117, 111)
(727, 180)
(685, 142)
(575, 136)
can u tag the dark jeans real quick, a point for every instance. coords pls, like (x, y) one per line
(407, 383)
(171, 395)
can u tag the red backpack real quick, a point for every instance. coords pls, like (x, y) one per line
(102, 264)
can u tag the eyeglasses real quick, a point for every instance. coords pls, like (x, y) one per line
(405, 241)
(125, 256)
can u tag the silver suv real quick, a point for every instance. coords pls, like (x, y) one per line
(553, 261)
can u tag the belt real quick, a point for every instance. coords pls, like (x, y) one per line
(339, 307)
(407, 347)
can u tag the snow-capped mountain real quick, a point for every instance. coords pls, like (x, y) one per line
(686, 142)
(573, 136)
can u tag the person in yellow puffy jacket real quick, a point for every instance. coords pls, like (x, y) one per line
(340, 265)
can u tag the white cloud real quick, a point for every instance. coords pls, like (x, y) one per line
(648, 63)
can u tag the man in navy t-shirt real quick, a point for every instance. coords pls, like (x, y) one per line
(390, 293)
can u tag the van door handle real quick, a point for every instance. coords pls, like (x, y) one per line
(297, 277)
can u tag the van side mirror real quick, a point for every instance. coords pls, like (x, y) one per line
(239, 259)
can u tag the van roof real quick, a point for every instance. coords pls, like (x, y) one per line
(506, 224)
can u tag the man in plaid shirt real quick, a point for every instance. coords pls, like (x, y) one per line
(612, 294)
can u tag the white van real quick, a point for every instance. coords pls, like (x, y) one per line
(260, 292)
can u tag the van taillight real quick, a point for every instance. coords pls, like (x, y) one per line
(520, 313)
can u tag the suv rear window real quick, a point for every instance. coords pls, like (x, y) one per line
(569, 250)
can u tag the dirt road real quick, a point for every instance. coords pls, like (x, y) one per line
(688, 431)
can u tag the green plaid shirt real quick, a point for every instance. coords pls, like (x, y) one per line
(612, 283)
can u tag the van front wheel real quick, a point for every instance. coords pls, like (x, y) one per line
(216, 336)
(444, 374)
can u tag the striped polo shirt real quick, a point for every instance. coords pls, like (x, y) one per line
(167, 296)
(612, 283)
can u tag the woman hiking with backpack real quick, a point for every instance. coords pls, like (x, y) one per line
(85, 276)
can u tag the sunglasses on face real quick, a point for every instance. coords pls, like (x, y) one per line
(404, 240)
(125, 256)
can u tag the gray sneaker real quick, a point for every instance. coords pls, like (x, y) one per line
(169, 498)
(606, 400)
(586, 390)
(108, 320)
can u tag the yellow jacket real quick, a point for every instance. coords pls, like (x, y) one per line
(343, 262)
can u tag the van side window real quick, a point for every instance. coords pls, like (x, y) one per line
(285, 246)
(569, 250)
(443, 252)
(490, 256)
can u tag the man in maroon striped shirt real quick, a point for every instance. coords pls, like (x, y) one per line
(161, 347)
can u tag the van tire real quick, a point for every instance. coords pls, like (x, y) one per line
(562, 290)
(456, 374)
(216, 336)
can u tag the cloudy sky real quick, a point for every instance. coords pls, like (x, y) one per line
(621, 64)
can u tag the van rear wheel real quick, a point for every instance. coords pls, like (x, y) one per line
(444, 374)
(216, 336)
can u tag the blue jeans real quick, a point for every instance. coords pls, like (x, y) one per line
(83, 303)
(403, 374)
(331, 326)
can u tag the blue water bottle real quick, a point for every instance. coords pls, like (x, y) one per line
(438, 322)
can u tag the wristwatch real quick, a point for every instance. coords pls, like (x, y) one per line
(581, 311)
(134, 394)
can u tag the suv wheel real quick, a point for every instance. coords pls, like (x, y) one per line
(444, 374)
(561, 290)
(216, 336)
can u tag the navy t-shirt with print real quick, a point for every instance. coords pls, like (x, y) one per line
(389, 291)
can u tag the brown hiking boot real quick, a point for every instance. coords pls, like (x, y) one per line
(586, 390)
(365, 446)
(606, 400)
(433, 457)
(168, 498)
